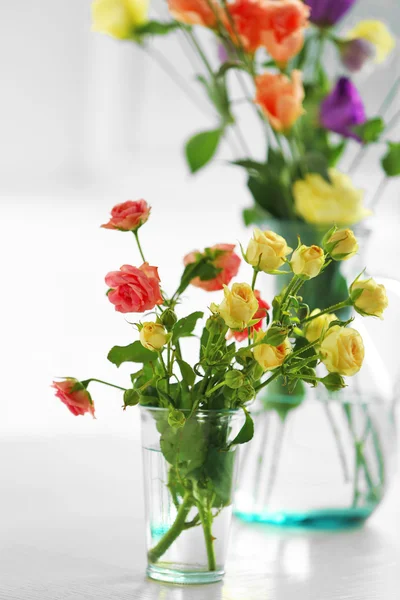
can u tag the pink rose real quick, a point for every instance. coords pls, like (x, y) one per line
(75, 396)
(134, 290)
(225, 259)
(128, 216)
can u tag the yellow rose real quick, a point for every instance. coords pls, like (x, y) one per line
(346, 244)
(373, 300)
(323, 203)
(270, 357)
(342, 351)
(318, 326)
(119, 18)
(377, 34)
(153, 336)
(238, 306)
(267, 250)
(307, 261)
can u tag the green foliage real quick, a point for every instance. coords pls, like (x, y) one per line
(133, 353)
(312, 162)
(391, 161)
(188, 375)
(155, 28)
(371, 131)
(201, 148)
(185, 327)
(247, 431)
(276, 335)
(131, 397)
(333, 382)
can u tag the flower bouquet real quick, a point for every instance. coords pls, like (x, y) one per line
(195, 410)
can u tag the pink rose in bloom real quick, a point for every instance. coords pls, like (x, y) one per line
(226, 260)
(134, 290)
(263, 308)
(75, 396)
(128, 216)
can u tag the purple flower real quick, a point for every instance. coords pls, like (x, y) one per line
(343, 109)
(328, 12)
(355, 53)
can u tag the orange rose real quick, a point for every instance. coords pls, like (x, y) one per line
(284, 36)
(280, 98)
(193, 12)
(250, 19)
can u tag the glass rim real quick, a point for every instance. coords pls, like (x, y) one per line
(208, 411)
(353, 398)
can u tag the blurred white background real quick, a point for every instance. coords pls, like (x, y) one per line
(87, 122)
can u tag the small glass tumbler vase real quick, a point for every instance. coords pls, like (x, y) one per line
(189, 478)
(324, 464)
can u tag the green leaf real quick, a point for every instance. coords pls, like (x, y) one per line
(247, 431)
(227, 66)
(391, 161)
(156, 28)
(131, 397)
(133, 353)
(188, 375)
(201, 148)
(275, 335)
(312, 162)
(272, 194)
(254, 216)
(186, 445)
(301, 342)
(371, 131)
(334, 153)
(184, 327)
(219, 467)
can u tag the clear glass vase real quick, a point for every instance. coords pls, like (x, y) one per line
(189, 478)
(318, 459)
(325, 463)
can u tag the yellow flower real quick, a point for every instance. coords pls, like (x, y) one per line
(119, 18)
(377, 34)
(373, 300)
(323, 203)
(318, 326)
(307, 261)
(346, 244)
(342, 351)
(238, 306)
(270, 357)
(267, 250)
(153, 336)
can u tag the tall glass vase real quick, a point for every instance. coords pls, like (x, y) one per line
(189, 478)
(319, 459)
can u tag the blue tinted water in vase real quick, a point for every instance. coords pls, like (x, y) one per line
(327, 519)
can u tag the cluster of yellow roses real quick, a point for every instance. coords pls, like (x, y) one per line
(341, 349)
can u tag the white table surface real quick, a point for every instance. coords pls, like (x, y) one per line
(71, 527)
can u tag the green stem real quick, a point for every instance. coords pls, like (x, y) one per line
(136, 234)
(330, 309)
(165, 370)
(174, 531)
(265, 383)
(215, 388)
(290, 288)
(206, 519)
(117, 387)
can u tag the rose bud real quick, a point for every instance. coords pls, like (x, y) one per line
(153, 336)
(226, 261)
(280, 98)
(373, 300)
(307, 261)
(238, 307)
(128, 216)
(342, 244)
(270, 357)
(267, 251)
(134, 290)
(356, 53)
(263, 308)
(283, 37)
(119, 18)
(376, 34)
(342, 351)
(75, 396)
(326, 13)
(318, 326)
